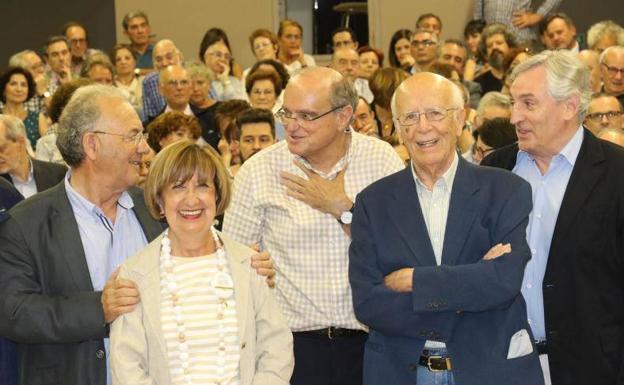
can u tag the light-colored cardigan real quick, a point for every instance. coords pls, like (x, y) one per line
(138, 352)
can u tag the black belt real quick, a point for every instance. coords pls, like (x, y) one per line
(435, 363)
(333, 332)
(542, 347)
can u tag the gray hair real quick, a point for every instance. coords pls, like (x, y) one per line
(496, 29)
(196, 69)
(14, 127)
(19, 59)
(434, 36)
(602, 28)
(343, 93)
(457, 99)
(456, 42)
(81, 115)
(131, 15)
(614, 49)
(566, 76)
(97, 58)
(493, 98)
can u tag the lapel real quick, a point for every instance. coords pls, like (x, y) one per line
(588, 170)
(461, 213)
(39, 175)
(408, 218)
(66, 233)
(237, 258)
(150, 271)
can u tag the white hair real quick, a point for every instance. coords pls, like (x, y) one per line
(566, 76)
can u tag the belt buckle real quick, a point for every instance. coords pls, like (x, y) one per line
(330, 332)
(448, 364)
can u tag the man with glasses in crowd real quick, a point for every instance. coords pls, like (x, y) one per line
(165, 54)
(295, 199)
(604, 112)
(344, 37)
(612, 69)
(424, 49)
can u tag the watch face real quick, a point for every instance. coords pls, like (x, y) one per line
(346, 217)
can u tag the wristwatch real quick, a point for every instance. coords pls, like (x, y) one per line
(346, 217)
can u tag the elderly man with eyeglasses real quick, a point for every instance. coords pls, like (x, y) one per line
(438, 255)
(295, 199)
(59, 250)
(604, 112)
(612, 72)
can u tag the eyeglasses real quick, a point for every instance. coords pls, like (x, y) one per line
(424, 43)
(261, 45)
(613, 71)
(482, 152)
(598, 116)
(136, 138)
(77, 41)
(432, 115)
(178, 83)
(220, 55)
(303, 116)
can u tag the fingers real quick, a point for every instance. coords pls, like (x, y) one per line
(256, 247)
(498, 250)
(114, 274)
(270, 282)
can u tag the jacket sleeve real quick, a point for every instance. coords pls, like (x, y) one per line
(484, 285)
(27, 313)
(128, 348)
(375, 304)
(274, 342)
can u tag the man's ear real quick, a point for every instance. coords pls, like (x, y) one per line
(90, 145)
(572, 106)
(345, 116)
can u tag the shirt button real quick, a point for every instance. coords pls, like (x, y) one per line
(538, 216)
(99, 354)
(533, 251)
(530, 322)
(528, 286)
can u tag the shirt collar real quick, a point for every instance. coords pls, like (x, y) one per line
(82, 204)
(339, 166)
(30, 176)
(187, 111)
(446, 179)
(569, 152)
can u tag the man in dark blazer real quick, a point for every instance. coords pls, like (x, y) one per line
(573, 285)
(438, 254)
(60, 248)
(28, 175)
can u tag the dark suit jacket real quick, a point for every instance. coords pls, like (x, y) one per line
(583, 285)
(474, 306)
(47, 302)
(45, 174)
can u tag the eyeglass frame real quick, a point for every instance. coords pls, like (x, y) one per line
(613, 71)
(425, 43)
(281, 113)
(597, 116)
(136, 138)
(444, 115)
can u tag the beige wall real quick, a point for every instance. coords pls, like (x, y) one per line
(388, 16)
(186, 21)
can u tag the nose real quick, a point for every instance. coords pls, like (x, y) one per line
(256, 145)
(143, 147)
(515, 115)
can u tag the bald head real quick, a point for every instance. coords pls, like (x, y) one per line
(589, 57)
(423, 84)
(175, 87)
(165, 54)
(347, 62)
(613, 135)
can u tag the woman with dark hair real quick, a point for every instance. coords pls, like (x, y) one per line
(472, 36)
(17, 86)
(399, 51)
(127, 78)
(216, 54)
(371, 59)
(492, 135)
(262, 88)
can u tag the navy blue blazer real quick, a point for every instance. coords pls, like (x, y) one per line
(474, 306)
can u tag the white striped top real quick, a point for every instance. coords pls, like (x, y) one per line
(201, 311)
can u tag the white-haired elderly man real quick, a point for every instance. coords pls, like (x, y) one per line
(27, 174)
(438, 255)
(612, 71)
(59, 250)
(573, 283)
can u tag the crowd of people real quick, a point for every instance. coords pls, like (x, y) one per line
(452, 215)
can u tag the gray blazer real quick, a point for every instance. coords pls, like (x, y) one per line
(138, 348)
(47, 303)
(45, 174)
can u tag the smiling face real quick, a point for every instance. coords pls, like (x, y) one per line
(539, 119)
(16, 90)
(612, 70)
(189, 206)
(431, 144)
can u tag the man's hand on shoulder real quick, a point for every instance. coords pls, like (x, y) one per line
(400, 280)
(497, 250)
(327, 196)
(118, 297)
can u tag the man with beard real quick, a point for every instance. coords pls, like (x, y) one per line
(256, 127)
(496, 40)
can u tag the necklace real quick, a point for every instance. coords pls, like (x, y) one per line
(222, 285)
